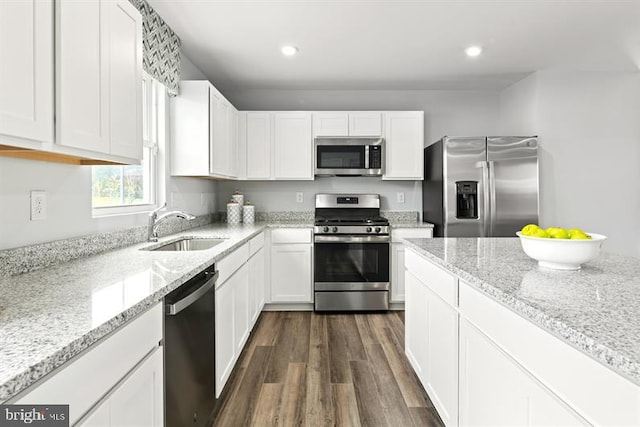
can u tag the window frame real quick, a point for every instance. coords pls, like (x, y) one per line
(151, 131)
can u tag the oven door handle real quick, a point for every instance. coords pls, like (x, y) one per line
(351, 239)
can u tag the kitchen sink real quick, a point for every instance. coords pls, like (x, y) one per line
(189, 244)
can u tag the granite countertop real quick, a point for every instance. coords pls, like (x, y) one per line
(410, 224)
(595, 309)
(50, 315)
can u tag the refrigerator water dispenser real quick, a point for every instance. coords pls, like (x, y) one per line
(467, 199)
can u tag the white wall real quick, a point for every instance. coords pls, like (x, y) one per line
(589, 130)
(68, 190)
(445, 112)
(271, 196)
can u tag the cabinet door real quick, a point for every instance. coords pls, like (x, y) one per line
(190, 139)
(293, 146)
(256, 285)
(291, 273)
(219, 133)
(366, 123)
(397, 273)
(330, 124)
(233, 142)
(404, 144)
(26, 73)
(441, 379)
(82, 69)
(494, 390)
(258, 145)
(125, 77)
(225, 345)
(416, 341)
(138, 401)
(240, 308)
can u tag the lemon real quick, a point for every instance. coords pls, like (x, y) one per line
(577, 234)
(529, 229)
(540, 233)
(559, 233)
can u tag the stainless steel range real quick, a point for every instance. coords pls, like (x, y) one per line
(351, 253)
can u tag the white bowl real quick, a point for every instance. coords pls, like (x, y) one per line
(562, 254)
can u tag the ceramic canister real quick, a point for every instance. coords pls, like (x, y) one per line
(238, 197)
(248, 213)
(233, 213)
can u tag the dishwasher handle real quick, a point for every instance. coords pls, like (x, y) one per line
(178, 306)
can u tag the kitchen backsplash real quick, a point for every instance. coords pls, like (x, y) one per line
(34, 257)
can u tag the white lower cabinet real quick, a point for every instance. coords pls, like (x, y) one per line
(432, 345)
(115, 387)
(291, 279)
(225, 341)
(239, 299)
(495, 390)
(137, 401)
(484, 365)
(257, 277)
(397, 258)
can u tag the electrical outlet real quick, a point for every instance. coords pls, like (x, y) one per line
(38, 205)
(299, 197)
(400, 197)
(202, 199)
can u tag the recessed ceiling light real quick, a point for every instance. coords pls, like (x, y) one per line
(289, 50)
(473, 51)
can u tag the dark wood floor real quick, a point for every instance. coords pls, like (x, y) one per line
(308, 369)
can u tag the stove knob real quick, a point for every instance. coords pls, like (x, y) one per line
(335, 229)
(369, 229)
(325, 229)
(377, 229)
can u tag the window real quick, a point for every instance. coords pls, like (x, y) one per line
(132, 188)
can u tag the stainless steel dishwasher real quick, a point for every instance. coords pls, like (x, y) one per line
(189, 351)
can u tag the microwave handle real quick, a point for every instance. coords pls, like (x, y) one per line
(366, 157)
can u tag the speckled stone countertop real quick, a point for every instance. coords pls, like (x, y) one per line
(50, 315)
(595, 309)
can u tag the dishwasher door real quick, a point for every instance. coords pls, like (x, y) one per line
(189, 351)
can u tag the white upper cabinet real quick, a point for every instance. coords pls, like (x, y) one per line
(342, 123)
(330, 123)
(204, 132)
(404, 139)
(365, 123)
(258, 145)
(99, 77)
(26, 73)
(125, 79)
(293, 146)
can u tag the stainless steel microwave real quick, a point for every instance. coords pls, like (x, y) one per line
(349, 156)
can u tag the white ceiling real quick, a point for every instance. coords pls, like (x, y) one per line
(375, 44)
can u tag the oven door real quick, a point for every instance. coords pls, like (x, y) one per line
(351, 263)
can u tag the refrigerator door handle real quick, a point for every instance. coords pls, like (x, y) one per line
(492, 196)
(486, 201)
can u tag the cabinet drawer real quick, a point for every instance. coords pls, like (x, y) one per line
(256, 243)
(410, 233)
(229, 264)
(443, 283)
(83, 381)
(291, 235)
(598, 394)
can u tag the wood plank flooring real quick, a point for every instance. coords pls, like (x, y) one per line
(308, 369)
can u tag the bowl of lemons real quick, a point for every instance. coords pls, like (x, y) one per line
(558, 248)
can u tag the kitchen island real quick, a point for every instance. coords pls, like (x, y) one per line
(551, 324)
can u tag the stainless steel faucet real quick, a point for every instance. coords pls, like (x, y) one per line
(155, 220)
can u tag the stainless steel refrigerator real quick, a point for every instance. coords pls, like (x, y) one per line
(480, 186)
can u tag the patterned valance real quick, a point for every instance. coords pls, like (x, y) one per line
(161, 50)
